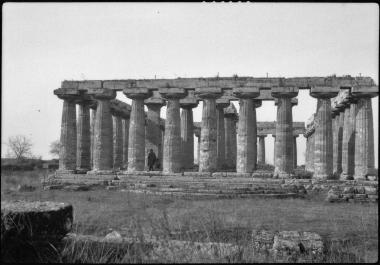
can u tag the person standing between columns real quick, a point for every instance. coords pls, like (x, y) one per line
(187, 135)
(323, 152)
(230, 118)
(103, 137)
(221, 103)
(208, 148)
(246, 140)
(364, 138)
(172, 141)
(68, 140)
(153, 138)
(84, 135)
(136, 141)
(284, 131)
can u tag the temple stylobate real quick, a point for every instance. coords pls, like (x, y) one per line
(116, 136)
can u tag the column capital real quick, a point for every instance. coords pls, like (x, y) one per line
(222, 103)
(208, 92)
(67, 93)
(188, 103)
(247, 92)
(137, 93)
(324, 92)
(365, 92)
(172, 92)
(230, 111)
(284, 92)
(155, 100)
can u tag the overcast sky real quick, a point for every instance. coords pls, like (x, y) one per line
(44, 44)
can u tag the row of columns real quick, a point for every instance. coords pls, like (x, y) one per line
(218, 146)
(341, 144)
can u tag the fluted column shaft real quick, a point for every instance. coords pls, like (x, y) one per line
(125, 126)
(246, 140)
(83, 137)
(153, 131)
(284, 138)
(187, 137)
(198, 148)
(348, 142)
(335, 129)
(230, 140)
(364, 139)
(117, 142)
(103, 138)
(295, 151)
(274, 149)
(338, 123)
(208, 155)
(68, 140)
(136, 140)
(312, 148)
(92, 129)
(307, 153)
(261, 150)
(323, 152)
(172, 143)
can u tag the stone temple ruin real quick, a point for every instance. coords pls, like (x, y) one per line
(114, 138)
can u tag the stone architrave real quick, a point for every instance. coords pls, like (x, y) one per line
(323, 152)
(136, 141)
(246, 155)
(68, 140)
(261, 150)
(230, 118)
(284, 131)
(172, 159)
(83, 135)
(208, 148)
(221, 103)
(153, 135)
(187, 131)
(364, 138)
(103, 137)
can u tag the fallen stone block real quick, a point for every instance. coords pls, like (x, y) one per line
(370, 190)
(373, 198)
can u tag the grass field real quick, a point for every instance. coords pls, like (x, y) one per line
(98, 212)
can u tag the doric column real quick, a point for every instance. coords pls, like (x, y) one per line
(68, 140)
(187, 131)
(172, 142)
(348, 140)
(103, 138)
(117, 136)
(364, 138)
(92, 131)
(338, 120)
(295, 151)
(284, 131)
(261, 150)
(125, 125)
(323, 152)
(136, 141)
(153, 136)
(230, 118)
(208, 155)
(198, 135)
(274, 149)
(83, 136)
(221, 103)
(247, 129)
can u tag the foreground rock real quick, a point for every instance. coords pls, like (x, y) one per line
(27, 227)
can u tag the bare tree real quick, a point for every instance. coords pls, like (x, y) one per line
(54, 148)
(20, 147)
